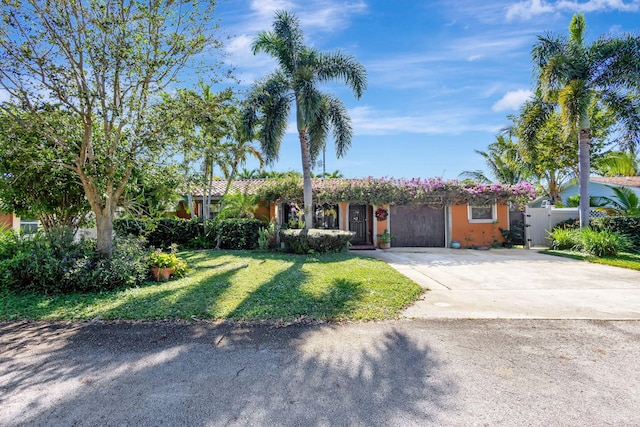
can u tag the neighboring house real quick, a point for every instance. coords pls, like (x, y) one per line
(598, 187)
(424, 225)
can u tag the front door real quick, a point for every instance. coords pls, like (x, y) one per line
(358, 223)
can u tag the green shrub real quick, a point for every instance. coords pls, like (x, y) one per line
(564, 239)
(130, 227)
(603, 242)
(54, 263)
(164, 232)
(315, 240)
(267, 237)
(568, 224)
(595, 242)
(238, 233)
(628, 226)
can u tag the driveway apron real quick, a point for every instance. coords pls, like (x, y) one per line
(514, 283)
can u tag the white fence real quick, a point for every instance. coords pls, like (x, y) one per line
(540, 221)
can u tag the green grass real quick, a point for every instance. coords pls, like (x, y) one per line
(240, 285)
(624, 259)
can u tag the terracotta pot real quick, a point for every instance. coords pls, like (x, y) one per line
(162, 274)
(384, 245)
(166, 273)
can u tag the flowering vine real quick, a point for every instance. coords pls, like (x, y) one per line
(378, 191)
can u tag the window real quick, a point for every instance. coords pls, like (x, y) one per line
(482, 213)
(325, 216)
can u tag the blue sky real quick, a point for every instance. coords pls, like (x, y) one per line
(442, 75)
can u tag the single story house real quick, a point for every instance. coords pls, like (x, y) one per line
(418, 213)
(598, 187)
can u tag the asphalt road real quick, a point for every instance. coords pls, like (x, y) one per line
(404, 373)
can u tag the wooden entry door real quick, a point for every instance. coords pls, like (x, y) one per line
(358, 223)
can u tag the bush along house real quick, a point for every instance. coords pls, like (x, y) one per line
(416, 212)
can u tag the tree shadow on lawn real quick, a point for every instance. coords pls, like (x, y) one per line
(220, 374)
(280, 290)
(284, 297)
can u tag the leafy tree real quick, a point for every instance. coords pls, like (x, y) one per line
(152, 189)
(549, 152)
(102, 62)
(571, 75)
(33, 183)
(301, 70)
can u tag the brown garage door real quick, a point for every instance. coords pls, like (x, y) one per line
(417, 226)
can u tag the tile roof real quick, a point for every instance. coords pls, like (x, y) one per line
(626, 181)
(248, 186)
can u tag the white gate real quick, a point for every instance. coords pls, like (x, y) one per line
(540, 221)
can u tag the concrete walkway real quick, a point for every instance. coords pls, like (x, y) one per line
(514, 284)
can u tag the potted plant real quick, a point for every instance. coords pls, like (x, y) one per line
(163, 265)
(384, 239)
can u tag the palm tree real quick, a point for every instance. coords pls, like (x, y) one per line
(618, 163)
(571, 75)
(249, 174)
(625, 202)
(504, 162)
(301, 70)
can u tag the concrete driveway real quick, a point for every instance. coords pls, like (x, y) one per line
(514, 283)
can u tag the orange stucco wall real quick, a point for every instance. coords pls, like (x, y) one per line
(477, 234)
(263, 212)
(272, 211)
(380, 226)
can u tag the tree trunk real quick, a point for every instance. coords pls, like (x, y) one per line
(554, 189)
(585, 169)
(104, 227)
(191, 207)
(307, 189)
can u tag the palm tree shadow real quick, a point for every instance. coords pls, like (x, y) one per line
(271, 300)
(205, 374)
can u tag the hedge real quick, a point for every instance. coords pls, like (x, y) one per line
(238, 233)
(164, 232)
(315, 240)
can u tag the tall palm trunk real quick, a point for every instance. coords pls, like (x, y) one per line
(584, 169)
(306, 180)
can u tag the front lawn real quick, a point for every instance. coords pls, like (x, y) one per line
(240, 285)
(624, 259)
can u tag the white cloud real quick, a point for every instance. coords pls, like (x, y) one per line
(369, 121)
(322, 16)
(528, 9)
(512, 100)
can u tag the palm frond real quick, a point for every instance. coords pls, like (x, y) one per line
(476, 176)
(340, 124)
(338, 66)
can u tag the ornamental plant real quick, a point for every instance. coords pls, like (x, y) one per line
(160, 259)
